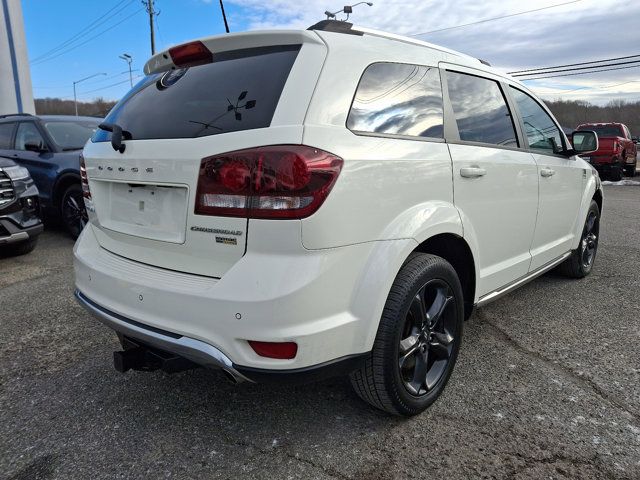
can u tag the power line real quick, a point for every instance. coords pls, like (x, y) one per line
(109, 86)
(64, 52)
(574, 64)
(615, 64)
(581, 73)
(89, 28)
(496, 18)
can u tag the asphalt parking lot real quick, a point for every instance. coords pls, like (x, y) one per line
(547, 386)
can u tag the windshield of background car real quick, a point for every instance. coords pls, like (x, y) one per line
(72, 134)
(604, 130)
(239, 90)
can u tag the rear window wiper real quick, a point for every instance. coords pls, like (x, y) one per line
(117, 135)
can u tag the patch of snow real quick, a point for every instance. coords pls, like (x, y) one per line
(625, 182)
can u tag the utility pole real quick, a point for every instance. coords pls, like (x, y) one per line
(128, 58)
(148, 4)
(224, 17)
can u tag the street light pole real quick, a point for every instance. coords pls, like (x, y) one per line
(75, 99)
(128, 58)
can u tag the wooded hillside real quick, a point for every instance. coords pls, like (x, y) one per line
(56, 106)
(571, 113)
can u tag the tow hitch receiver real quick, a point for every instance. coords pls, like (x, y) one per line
(136, 356)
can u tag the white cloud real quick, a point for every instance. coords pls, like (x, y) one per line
(578, 32)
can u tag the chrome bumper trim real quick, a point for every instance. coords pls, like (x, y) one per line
(15, 237)
(195, 350)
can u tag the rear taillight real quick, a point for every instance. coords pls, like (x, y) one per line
(86, 192)
(190, 54)
(280, 181)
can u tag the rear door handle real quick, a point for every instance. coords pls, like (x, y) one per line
(472, 172)
(547, 172)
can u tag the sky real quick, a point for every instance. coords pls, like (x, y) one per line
(69, 40)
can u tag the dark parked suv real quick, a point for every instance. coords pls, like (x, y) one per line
(19, 206)
(49, 147)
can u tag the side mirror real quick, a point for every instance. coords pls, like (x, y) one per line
(584, 141)
(34, 146)
(635, 140)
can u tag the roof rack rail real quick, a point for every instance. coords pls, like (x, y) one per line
(16, 115)
(336, 26)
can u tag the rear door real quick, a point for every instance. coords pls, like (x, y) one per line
(144, 199)
(40, 164)
(495, 182)
(7, 130)
(561, 181)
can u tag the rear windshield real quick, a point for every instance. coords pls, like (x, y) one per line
(238, 91)
(604, 130)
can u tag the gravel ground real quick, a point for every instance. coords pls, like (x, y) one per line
(547, 386)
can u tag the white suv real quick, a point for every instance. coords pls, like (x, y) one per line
(289, 205)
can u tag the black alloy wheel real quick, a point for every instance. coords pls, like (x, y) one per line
(581, 261)
(427, 339)
(418, 338)
(589, 240)
(74, 214)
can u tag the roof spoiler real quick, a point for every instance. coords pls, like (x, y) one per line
(16, 115)
(336, 26)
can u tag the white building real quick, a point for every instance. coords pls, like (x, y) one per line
(16, 93)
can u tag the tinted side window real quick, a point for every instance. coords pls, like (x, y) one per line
(541, 131)
(239, 90)
(398, 99)
(27, 133)
(480, 110)
(6, 132)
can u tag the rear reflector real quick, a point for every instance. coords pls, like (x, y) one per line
(190, 54)
(279, 350)
(277, 182)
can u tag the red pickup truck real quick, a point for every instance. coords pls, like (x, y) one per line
(616, 150)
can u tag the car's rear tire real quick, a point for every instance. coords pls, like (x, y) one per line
(630, 170)
(615, 174)
(418, 338)
(72, 211)
(581, 261)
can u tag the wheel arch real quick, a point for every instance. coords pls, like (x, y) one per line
(597, 196)
(592, 191)
(455, 250)
(388, 257)
(63, 182)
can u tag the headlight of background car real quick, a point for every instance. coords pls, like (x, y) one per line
(16, 173)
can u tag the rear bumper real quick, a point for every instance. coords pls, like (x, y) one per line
(198, 352)
(328, 302)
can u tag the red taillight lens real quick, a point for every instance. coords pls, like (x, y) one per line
(190, 54)
(279, 350)
(280, 181)
(86, 192)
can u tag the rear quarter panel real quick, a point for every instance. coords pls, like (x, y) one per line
(389, 188)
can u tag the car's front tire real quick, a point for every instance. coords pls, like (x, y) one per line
(581, 261)
(418, 338)
(21, 248)
(74, 215)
